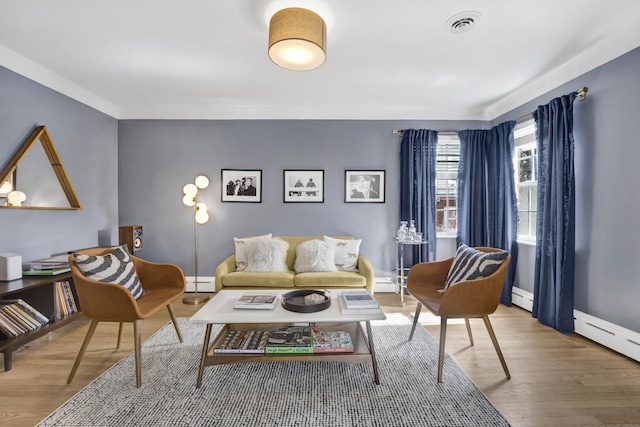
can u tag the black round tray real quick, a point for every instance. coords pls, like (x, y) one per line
(294, 301)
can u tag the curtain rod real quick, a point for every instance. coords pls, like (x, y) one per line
(582, 95)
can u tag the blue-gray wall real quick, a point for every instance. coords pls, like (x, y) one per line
(607, 282)
(157, 158)
(87, 143)
(132, 172)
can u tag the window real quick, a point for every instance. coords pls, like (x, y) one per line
(525, 168)
(447, 159)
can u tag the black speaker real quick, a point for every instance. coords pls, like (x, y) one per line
(132, 236)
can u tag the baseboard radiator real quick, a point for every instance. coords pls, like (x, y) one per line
(205, 284)
(622, 340)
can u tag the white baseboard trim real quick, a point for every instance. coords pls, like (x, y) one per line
(205, 284)
(384, 284)
(522, 298)
(617, 338)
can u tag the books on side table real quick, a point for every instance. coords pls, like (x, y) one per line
(284, 341)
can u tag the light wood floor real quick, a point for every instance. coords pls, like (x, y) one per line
(557, 380)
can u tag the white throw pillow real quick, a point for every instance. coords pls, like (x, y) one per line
(266, 255)
(241, 257)
(315, 255)
(347, 251)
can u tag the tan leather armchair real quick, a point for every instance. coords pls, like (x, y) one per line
(107, 302)
(463, 300)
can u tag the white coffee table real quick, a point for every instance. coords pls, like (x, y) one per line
(219, 310)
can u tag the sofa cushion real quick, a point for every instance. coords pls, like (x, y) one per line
(470, 264)
(266, 255)
(114, 267)
(315, 255)
(273, 279)
(347, 251)
(343, 279)
(240, 244)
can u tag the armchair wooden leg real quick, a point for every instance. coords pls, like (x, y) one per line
(415, 320)
(443, 334)
(174, 321)
(83, 348)
(495, 344)
(137, 348)
(466, 320)
(119, 335)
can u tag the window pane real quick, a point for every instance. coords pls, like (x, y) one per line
(447, 158)
(523, 198)
(534, 197)
(534, 217)
(523, 223)
(526, 166)
(525, 160)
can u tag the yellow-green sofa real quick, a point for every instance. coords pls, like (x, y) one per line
(228, 278)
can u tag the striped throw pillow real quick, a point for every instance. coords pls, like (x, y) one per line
(470, 264)
(115, 267)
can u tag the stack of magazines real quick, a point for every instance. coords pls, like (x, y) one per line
(47, 266)
(283, 341)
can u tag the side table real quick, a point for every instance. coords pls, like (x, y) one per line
(401, 270)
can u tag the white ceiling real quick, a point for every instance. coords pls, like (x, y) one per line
(386, 59)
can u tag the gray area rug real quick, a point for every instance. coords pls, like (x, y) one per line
(282, 394)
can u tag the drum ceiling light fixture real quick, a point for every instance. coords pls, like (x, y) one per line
(297, 39)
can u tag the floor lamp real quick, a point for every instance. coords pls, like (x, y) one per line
(200, 216)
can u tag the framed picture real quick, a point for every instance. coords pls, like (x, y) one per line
(361, 186)
(240, 185)
(304, 186)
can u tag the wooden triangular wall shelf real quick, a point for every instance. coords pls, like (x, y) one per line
(41, 134)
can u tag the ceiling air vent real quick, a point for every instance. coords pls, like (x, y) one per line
(462, 22)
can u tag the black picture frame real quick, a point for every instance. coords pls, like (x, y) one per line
(303, 185)
(241, 185)
(364, 186)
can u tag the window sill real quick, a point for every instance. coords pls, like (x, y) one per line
(526, 242)
(446, 235)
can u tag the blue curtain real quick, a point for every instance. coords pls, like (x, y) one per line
(555, 226)
(418, 183)
(487, 204)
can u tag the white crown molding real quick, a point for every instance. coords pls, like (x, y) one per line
(23, 66)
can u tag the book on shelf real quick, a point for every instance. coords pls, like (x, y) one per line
(24, 317)
(46, 272)
(243, 343)
(273, 350)
(7, 328)
(292, 336)
(70, 299)
(20, 324)
(65, 301)
(346, 310)
(332, 342)
(38, 316)
(359, 298)
(33, 265)
(256, 301)
(312, 325)
(290, 340)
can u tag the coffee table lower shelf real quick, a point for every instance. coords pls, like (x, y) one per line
(363, 353)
